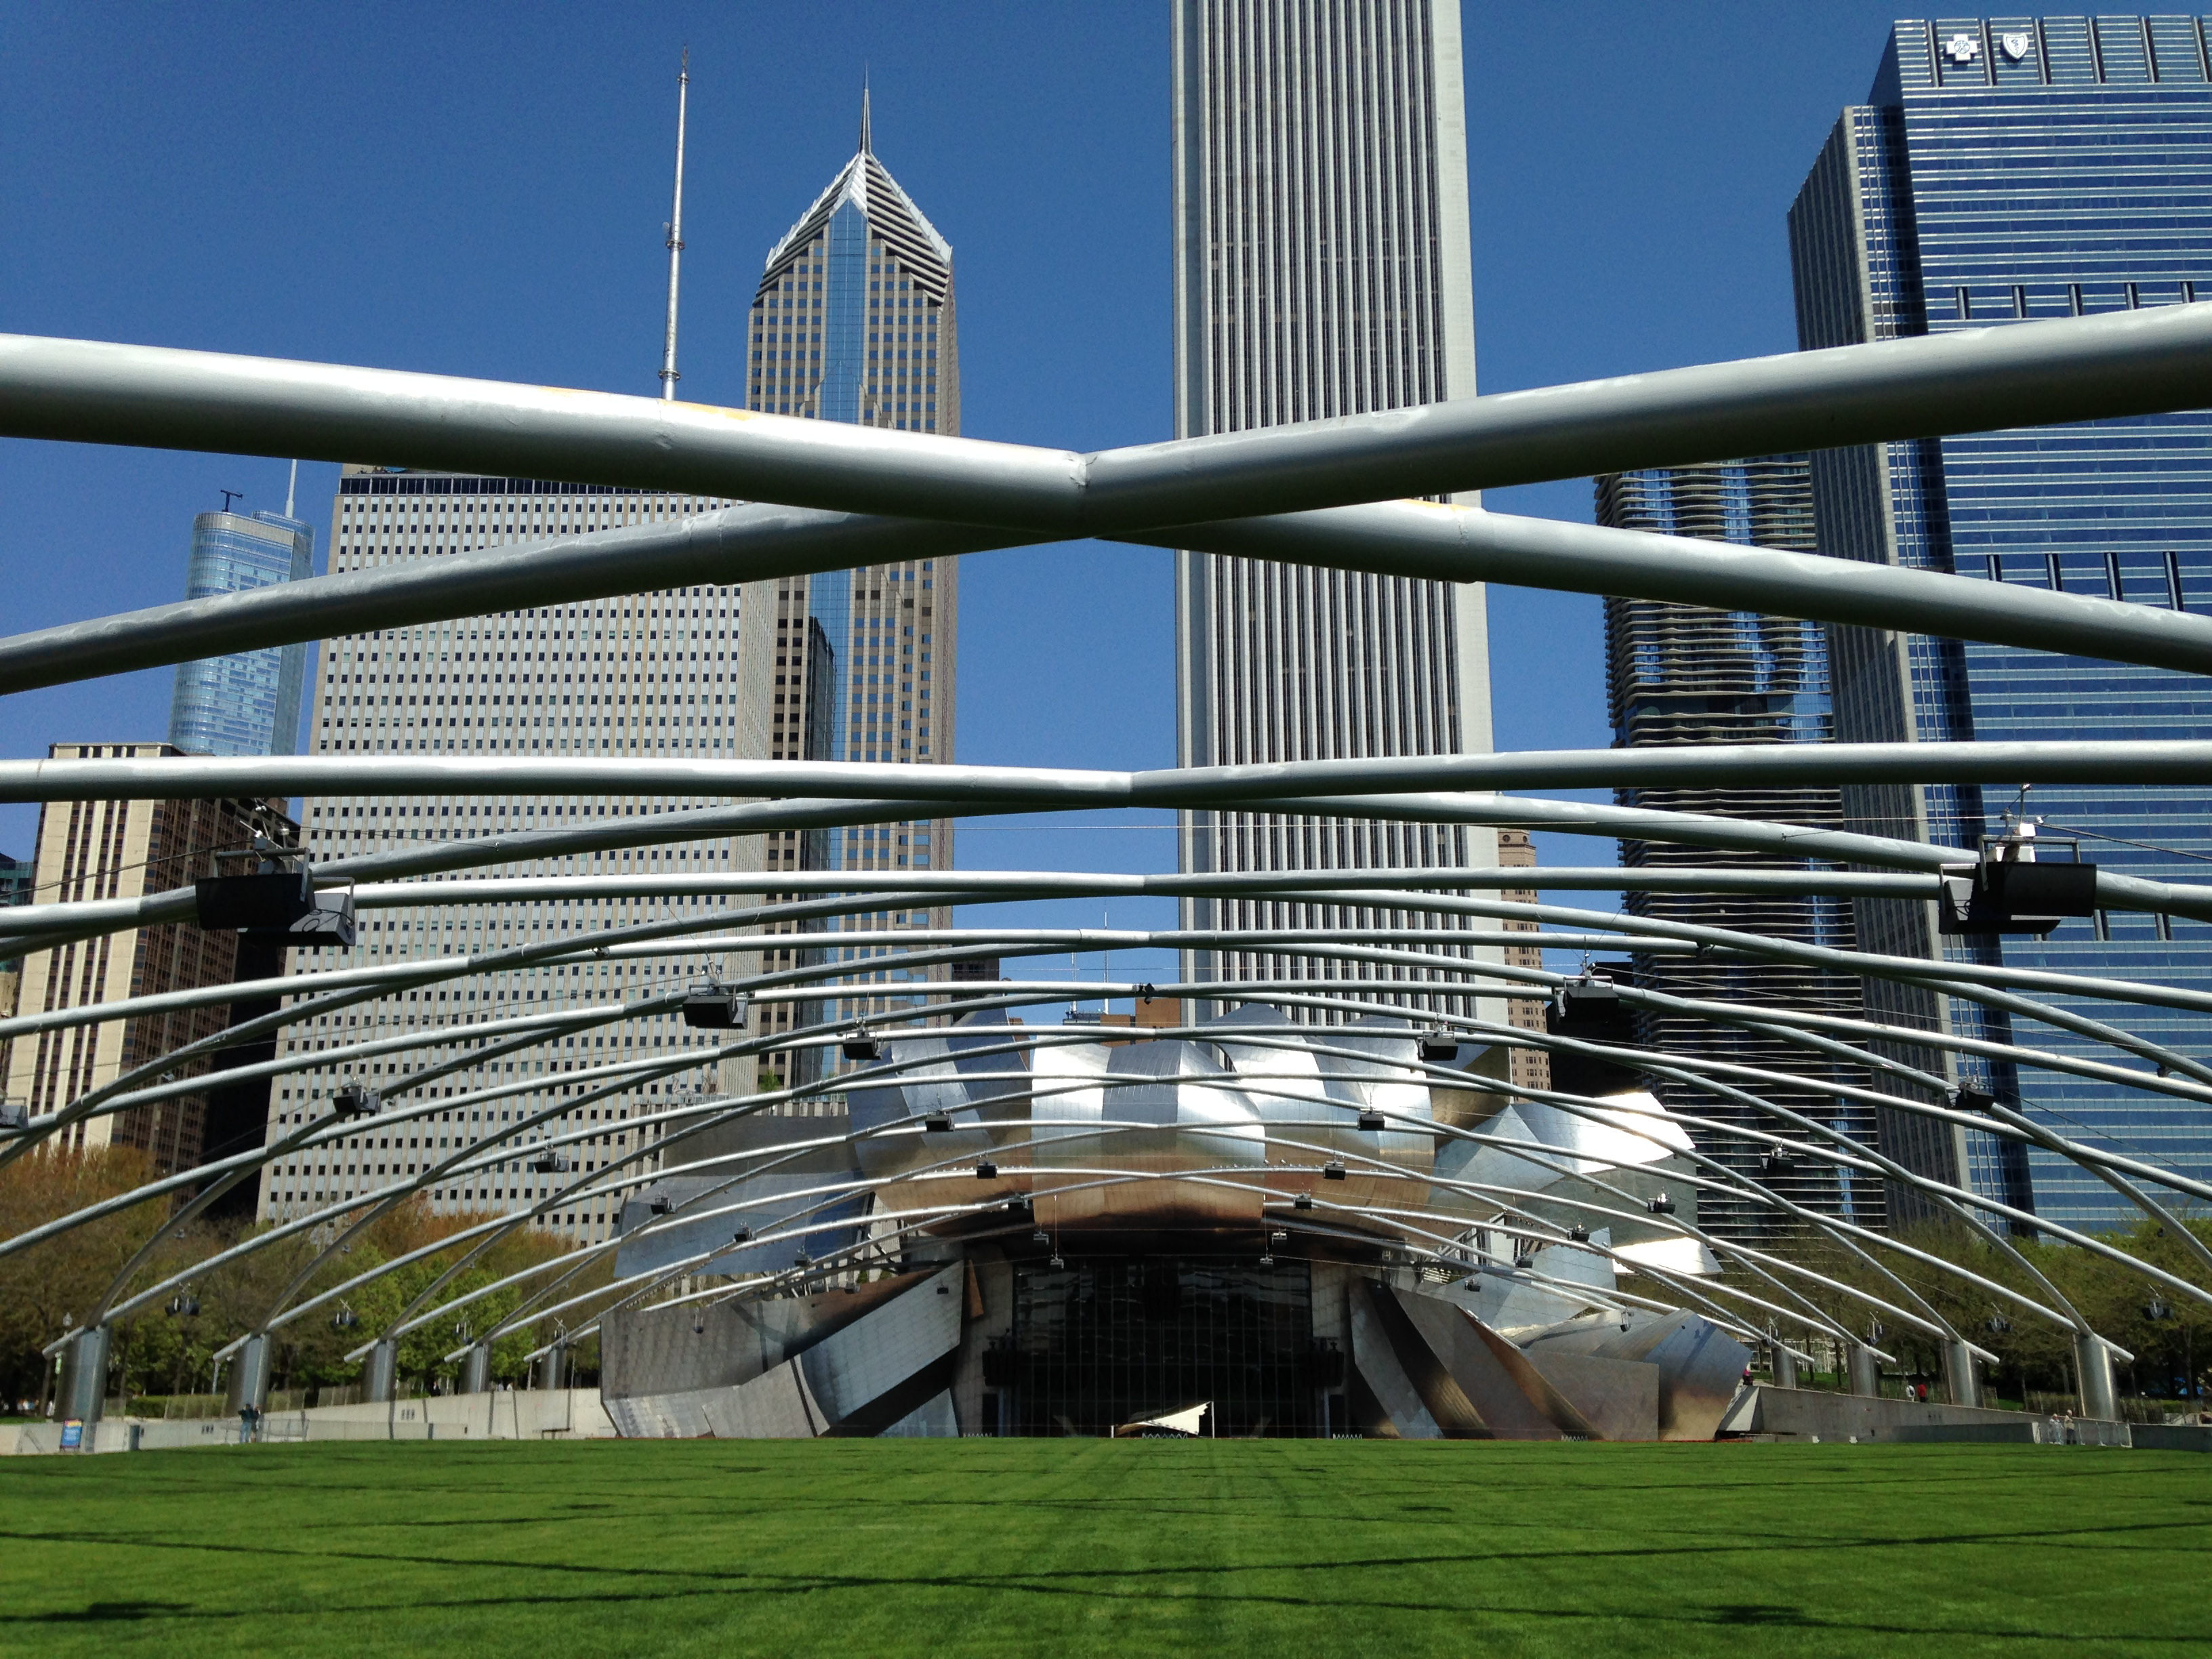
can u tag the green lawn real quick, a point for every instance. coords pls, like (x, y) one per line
(859, 1548)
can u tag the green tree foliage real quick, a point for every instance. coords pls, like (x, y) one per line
(169, 1348)
(49, 1286)
(2169, 1332)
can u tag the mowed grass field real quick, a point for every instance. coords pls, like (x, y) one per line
(1071, 1547)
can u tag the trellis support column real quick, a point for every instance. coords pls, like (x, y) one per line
(83, 1393)
(1959, 1379)
(1865, 1369)
(2093, 1365)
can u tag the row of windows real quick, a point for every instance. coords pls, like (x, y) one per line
(410, 485)
(1970, 304)
(1974, 52)
(517, 649)
(2156, 581)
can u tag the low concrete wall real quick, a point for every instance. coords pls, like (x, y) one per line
(1811, 1414)
(525, 1414)
(114, 1435)
(501, 1414)
(2173, 1437)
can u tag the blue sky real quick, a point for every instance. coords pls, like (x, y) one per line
(480, 189)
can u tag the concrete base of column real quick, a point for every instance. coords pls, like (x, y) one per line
(380, 1372)
(84, 1376)
(249, 1376)
(2093, 1365)
(1959, 1378)
(1865, 1369)
(1785, 1367)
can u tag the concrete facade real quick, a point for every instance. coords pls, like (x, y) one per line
(1322, 268)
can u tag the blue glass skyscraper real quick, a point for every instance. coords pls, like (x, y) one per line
(248, 703)
(2001, 169)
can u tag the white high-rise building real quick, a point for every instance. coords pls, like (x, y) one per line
(682, 673)
(1322, 269)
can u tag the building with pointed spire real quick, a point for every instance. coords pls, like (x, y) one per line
(860, 261)
(853, 320)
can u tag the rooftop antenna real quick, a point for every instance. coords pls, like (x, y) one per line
(291, 489)
(668, 374)
(867, 147)
(230, 496)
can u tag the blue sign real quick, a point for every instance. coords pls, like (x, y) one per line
(73, 1434)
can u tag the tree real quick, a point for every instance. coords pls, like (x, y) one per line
(2169, 1332)
(49, 1286)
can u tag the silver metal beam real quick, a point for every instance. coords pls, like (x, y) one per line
(476, 853)
(31, 919)
(1085, 941)
(1411, 538)
(1454, 544)
(2115, 891)
(734, 545)
(94, 392)
(1041, 1037)
(1578, 818)
(876, 890)
(2131, 363)
(1766, 765)
(1963, 381)
(2024, 374)
(1952, 976)
(53, 925)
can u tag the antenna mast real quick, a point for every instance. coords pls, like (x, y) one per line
(668, 374)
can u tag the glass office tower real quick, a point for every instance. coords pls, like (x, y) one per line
(248, 703)
(1682, 675)
(853, 320)
(2006, 168)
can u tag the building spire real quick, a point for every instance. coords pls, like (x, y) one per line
(867, 147)
(668, 374)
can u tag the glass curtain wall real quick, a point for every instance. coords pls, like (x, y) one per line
(2001, 170)
(248, 703)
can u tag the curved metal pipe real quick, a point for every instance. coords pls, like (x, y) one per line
(2138, 762)
(679, 1065)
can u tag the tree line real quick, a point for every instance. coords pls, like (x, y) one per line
(168, 1349)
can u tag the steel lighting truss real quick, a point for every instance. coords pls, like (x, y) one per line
(823, 496)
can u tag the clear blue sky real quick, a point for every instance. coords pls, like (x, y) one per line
(480, 191)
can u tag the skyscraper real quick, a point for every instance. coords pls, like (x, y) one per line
(1531, 1068)
(16, 886)
(2004, 170)
(853, 320)
(1681, 675)
(248, 703)
(677, 672)
(1322, 269)
(126, 850)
